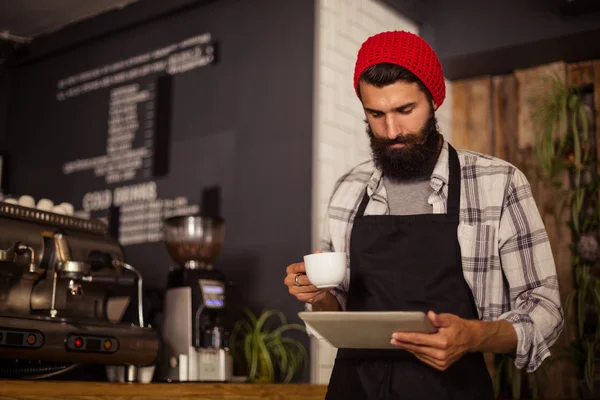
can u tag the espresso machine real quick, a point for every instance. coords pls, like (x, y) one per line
(64, 288)
(194, 341)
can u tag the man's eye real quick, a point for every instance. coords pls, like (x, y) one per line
(376, 115)
(406, 112)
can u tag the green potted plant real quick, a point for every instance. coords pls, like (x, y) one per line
(260, 350)
(565, 146)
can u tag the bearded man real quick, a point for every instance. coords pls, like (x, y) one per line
(454, 234)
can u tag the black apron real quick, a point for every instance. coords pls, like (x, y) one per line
(408, 263)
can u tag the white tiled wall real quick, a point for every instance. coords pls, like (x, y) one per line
(340, 141)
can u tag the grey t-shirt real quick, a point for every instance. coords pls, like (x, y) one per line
(408, 197)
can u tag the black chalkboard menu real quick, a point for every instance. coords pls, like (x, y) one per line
(139, 98)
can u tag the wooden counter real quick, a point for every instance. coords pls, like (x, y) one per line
(42, 390)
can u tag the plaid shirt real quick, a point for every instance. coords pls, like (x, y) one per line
(506, 255)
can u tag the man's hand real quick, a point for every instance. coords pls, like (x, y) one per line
(455, 337)
(299, 286)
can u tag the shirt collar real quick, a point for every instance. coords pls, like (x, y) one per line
(439, 176)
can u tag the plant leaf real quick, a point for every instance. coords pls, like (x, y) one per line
(262, 320)
(301, 356)
(294, 364)
(251, 316)
(276, 346)
(589, 366)
(251, 355)
(281, 329)
(267, 359)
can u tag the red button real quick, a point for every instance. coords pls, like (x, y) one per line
(78, 342)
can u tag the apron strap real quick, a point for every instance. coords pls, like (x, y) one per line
(453, 187)
(363, 205)
(454, 183)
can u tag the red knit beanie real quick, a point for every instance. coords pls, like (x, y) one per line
(406, 50)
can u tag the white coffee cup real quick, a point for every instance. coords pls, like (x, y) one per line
(325, 270)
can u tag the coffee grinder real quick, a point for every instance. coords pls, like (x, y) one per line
(194, 341)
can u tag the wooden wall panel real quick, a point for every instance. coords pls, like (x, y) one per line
(505, 118)
(580, 74)
(583, 75)
(471, 115)
(531, 91)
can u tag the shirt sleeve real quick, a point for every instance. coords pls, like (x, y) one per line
(528, 265)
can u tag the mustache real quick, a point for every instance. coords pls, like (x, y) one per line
(404, 139)
(409, 138)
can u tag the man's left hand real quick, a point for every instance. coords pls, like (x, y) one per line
(454, 338)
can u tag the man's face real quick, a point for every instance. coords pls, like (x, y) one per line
(402, 128)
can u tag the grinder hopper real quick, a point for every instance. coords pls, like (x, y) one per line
(194, 241)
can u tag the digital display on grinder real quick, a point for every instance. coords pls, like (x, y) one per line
(212, 289)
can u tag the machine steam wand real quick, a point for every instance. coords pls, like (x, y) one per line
(132, 370)
(140, 281)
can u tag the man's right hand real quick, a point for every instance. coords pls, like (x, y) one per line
(299, 285)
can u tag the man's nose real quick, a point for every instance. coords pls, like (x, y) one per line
(392, 128)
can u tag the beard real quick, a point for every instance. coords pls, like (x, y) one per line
(415, 160)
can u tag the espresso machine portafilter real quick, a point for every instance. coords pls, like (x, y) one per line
(194, 341)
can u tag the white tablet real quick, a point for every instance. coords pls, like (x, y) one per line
(365, 330)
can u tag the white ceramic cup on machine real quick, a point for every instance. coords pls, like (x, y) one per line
(325, 270)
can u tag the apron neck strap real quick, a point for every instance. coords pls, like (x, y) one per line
(453, 182)
(363, 205)
(453, 187)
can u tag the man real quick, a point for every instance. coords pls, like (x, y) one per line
(456, 235)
